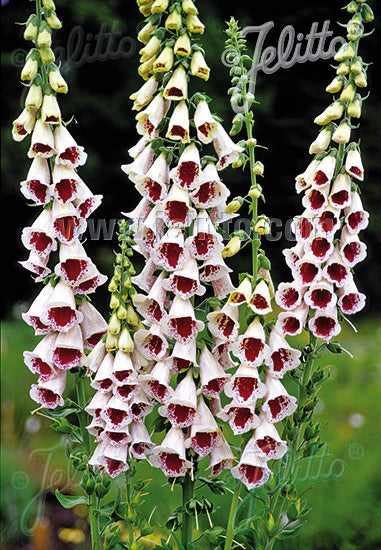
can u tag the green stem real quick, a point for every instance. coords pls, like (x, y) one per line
(232, 516)
(188, 492)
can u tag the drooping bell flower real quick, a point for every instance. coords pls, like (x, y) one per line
(42, 142)
(303, 180)
(356, 218)
(23, 125)
(223, 323)
(252, 469)
(93, 360)
(39, 361)
(324, 324)
(148, 232)
(328, 222)
(138, 148)
(206, 125)
(279, 403)
(152, 343)
(93, 325)
(178, 126)
(185, 282)
(183, 356)
(251, 348)
(37, 265)
(293, 255)
(154, 184)
(74, 263)
(289, 295)
(97, 458)
(352, 249)
(212, 375)
(350, 299)
(33, 317)
(69, 153)
(198, 66)
(177, 211)
(177, 86)
(96, 429)
(181, 322)
(98, 403)
(140, 404)
(61, 313)
(116, 438)
(354, 165)
(103, 381)
(188, 169)
(292, 322)
(65, 183)
(241, 294)
(49, 393)
(340, 195)
(140, 165)
(36, 185)
(214, 268)
(321, 142)
(86, 202)
(67, 223)
(169, 252)
(210, 191)
(205, 241)
(68, 349)
(245, 386)
(143, 96)
(156, 383)
(90, 282)
(123, 368)
(204, 431)
(319, 248)
(170, 455)
(152, 307)
(116, 413)
(336, 269)
(221, 457)
(227, 151)
(266, 441)
(40, 237)
(324, 172)
(115, 460)
(223, 286)
(321, 296)
(141, 444)
(241, 416)
(260, 300)
(282, 357)
(181, 408)
(221, 352)
(307, 270)
(316, 199)
(304, 226)
(146, 277)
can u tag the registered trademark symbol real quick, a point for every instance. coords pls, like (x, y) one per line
(20, 480)
(356, 451)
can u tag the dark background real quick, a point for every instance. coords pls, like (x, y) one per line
(98, 98)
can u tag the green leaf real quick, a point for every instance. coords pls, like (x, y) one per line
(69, 501)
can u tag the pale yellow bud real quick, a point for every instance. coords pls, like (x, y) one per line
(255, 192)
(132, 318)
(199, 67)
(262, 227)
(33, 100)
(150, 49)
(145, 32)
(44, 39)
(30, 69)
(233, 246)
(53, 21)
(361, 81)
(47, 55)
(194, 24)
(356, 67)
(335, 86)
(111, 342)
(354, 108)
(126, 343)
(114, 302)
(57, 82)
(31, 31)
(234, 205)
(114, 325)
(342, 134)
(50, 111)
(173, 21)
(159, 6)
(189, 8)
(258, 169)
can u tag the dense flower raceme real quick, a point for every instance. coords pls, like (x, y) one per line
(173, 361)
(327, 232)
(62, 311)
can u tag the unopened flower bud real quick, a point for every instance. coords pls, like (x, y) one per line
(343, 68)
(189, 8)
(354, 108)
(342, 134)
(30, 68)
(121, 312)
(49, 5)
(145, 33)
(132, 318)
(173, 21)
(335, 86)
(159, 6)
(252, 142)
(111, 342)
(258, 168)
(346, 51)
(233, 246)
(255, 192)
(52, 20)
(57, 81)
(114, 325)
(114, 302)
(33, 100)
(44, 37)
(126, 343)
(31, 28)
(352, 7)
(360, 80)
(113, 285)
(356, 66)
(47, 55)
(234, 205)
(348, 93)
(194, 24)
(367, 13)
(263, 227)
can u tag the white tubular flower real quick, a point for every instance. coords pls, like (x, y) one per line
(98, 404)
(212, 375)
(279, 403)
(340, 196)
(336, 271)
(87, 202)
(143, 96)
(350, 299)
(67, 223)
(148, 232)
(141, 164)
(204, 430)
(103, 380)
(115, 460)
(42, 142)
(260, 301)
(241, 417)
(93, 325)
(221, 353)
(211, 191)
(186, 173)
(156, 383)
(316, 199)
(324, 172)
(245, 386)
(293, 255)
(40, 237)
(23, 125)
(181, 408)
(329, 221)
(266, 441)
(251, 348)
(307, 270)
(252, 469)
(151, 307)
(141, 444)
(356, 218)
(68, 152)
(116, 438)
(292, 322)
(74, 263)
(183, 356)
(185, 282)
(241, 294)
(289, 295)
(170, 455)
(226, 150)
(138, 148)
(67, 352)
(303, 181)
(36, 185)
(324, 324)
(282, 356)
(154, 184)
(223, 286)
(206, 125)
(321, 296)
(146, 278)
(214, 268)
(61, 313)
(39, 361)
(352, 249)
(37, 265)
(140, 213)
(319, 248)
(96, 429)
(177, 86)
(205, 241)
(303, 226)
(65, 183)
(123, 368)
(97, 457)
(33, 316)
(140, 404)
(49, 393)
(223, 324)
(93, 360)
(151, 343)
(221, 457)
(50, 111)
(116, 413)
(178, 126)
(181, 322)
(176, 209)
(169, 252)
(90, 282)
(354, 165)
(149, 119)
(321, 143)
